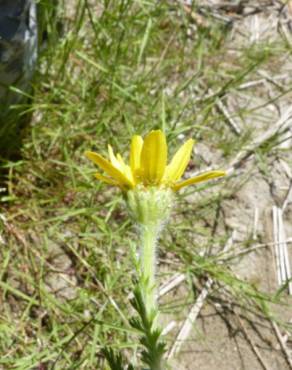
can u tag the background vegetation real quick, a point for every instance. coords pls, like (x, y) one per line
(108, 70)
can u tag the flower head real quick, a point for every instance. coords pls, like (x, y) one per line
(148, 165)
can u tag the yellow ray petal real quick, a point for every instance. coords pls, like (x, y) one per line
(105, 179)
(200, 178)
(109, 168)
(125, 168)
(179, 162)
(118, 162)
(135, 153)
(114, 161)
(153, 157)
(121, 160)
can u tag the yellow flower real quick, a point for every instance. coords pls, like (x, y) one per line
(148, 165)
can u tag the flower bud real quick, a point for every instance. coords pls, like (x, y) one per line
(150, 205)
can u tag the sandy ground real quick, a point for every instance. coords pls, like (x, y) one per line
(224, 337)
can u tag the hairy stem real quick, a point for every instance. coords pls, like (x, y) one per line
(149, 235)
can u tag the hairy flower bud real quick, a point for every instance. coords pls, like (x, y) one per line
(151, 205)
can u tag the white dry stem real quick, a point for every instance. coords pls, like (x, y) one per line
(278, 255)
(281, 250)
(280, 126)
(284, 250)
(255, 223)
(288, 197)
(254, 248)
(195, 310)
(169, 327)
(233, 125)
(224, 110)
(170, 284)
(255, 29)
(249, 84)
(286, 168)
(253, 346)
(283, 345)
(192, 316)
(270, 79)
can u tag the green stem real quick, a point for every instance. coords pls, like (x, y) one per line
(149, 236)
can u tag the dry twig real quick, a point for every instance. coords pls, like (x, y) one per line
(172, 283)
(280, 126)
(252, 249)
(195, 310)
(282, 344)
(281, 250)
(233, 125)
(252, 345)
(288, 197)
(188, 323)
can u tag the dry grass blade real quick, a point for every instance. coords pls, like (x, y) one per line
(255, 223)
(195, 310)
(252, 345)
(288, 197)
(233, 125)
(280, 126)
(284, 251)
(254, 248)
(282, 344)
(11, 229)
(281, 250)
(188, 323)
(271, 80)
(277, 248)
(172, 283)
(169, 327)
